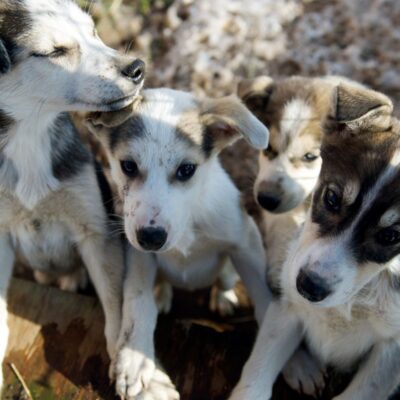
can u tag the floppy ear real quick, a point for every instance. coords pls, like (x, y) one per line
(97, 121)
(255, 93)
(227, 119)
(361, 109)
(5, 61)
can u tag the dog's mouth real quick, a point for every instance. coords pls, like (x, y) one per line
(105, 106)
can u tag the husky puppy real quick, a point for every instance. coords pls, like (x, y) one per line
(340, 282)
(51, 213)
(182, 213)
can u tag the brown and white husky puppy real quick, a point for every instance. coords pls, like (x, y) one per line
(340, 282)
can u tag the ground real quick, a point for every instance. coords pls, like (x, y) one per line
(206, 47)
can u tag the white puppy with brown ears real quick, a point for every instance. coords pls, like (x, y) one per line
(182, 213)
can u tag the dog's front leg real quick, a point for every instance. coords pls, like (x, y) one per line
(104, 261)
(7, 255)
(248, 257)
(378, 376)
(279, 336)
(135, 365)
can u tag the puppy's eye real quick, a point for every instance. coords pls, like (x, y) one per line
(129, 168)
(332, 201)
(388, 236)
(309, 157)
(185, 172)
(56, 53)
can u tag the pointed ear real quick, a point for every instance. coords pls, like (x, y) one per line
(97, 121)
(227, 119)
(5, 61)
(255, 93)
(360, 108)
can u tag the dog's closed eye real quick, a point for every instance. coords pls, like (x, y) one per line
(56, 53)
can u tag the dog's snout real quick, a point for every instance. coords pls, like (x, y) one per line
(135, 71)
(268, 201)
(311, 286)
(151, 238)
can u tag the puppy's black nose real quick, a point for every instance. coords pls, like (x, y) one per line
(151, 238)
(135, 71)
(268, 201)
(311, 286)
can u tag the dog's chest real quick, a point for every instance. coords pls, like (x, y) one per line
(340, 340)
(198, 270)
(26, 162)
(41, 236)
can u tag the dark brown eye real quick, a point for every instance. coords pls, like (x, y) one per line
(185, 172)
(332, 201)
(129, 168)
(388, 236)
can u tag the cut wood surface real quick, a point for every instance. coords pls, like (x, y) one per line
(57, 346)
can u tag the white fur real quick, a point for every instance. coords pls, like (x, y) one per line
(203, 219)
(48, 222)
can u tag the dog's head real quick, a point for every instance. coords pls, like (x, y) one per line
(51, 57)
(163, 157)
(353, 229)
(293, 109)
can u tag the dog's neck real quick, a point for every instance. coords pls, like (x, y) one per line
(26, 153)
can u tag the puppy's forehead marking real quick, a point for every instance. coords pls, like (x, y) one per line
(295, 117)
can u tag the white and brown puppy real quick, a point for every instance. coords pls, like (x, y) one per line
(340, 281)
(51, 212)
(182, 213)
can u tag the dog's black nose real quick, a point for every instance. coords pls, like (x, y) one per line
(311, 286)
(135, 71)
(151, 238)
(268, 201)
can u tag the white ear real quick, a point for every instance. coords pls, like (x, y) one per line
(227, 119)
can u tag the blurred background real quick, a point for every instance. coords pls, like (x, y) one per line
(207, 46)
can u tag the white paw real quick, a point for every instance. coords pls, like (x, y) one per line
(74, 281)
(160, 388)
(133, 372)
(163, 294)
(247, 392)
(304, 373)
(223, 301)
(42, 277)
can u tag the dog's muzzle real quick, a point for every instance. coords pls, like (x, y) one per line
(151, 238)
(311, 286)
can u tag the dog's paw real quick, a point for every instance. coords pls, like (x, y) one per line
(133, 372)
(223, 301)
(163, 294)
(304, 373)
(247, 392)
(74, 281)
(160, 388)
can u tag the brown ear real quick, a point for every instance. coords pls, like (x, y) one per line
(361, 109)
(256, 92)
(227, 119)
